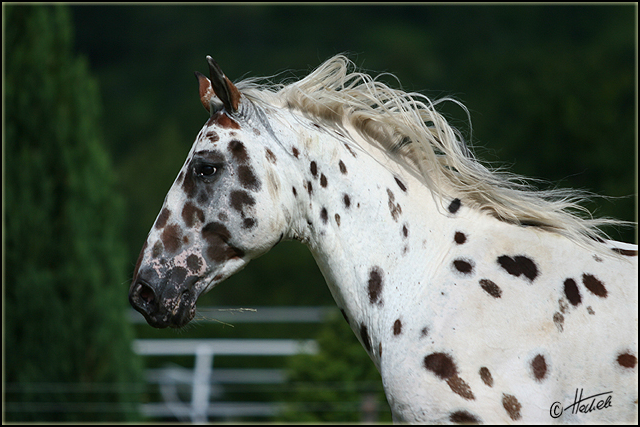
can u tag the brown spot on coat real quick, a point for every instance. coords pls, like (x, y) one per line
(157, 249)
(324, 215)
(464, 267)
(491, 288)
(162, 218)
(270, 156)
(189, 184)
(539, 367)
(485, 376)
(441, 364)
(314, 169)
(191, 213)
(295, 152)
(247, 178)
(323, 181)
(400, 184)
(194, 263)
(212, 136)
(397, 327)
(171, 238)
(366, 340)
(627, 360)
(571, 292)
(343, 168)
(594, 285)
(337, 219)
(625, 252)
(512, 406)
(239, 199)
(454, 205)
(558, 319)
(347, 201)
(223, 120)
(394, 208)
(217, 236)
(460, 387)
(375, 285)
(216, 228)
(519, 265)
(460, 237)
(463, 417)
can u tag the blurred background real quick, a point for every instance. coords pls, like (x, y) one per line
(101, 108)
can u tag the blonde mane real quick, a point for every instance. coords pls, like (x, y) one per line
(408, 127)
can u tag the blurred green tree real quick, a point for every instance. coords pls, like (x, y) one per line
(338, 384)
(67, 343)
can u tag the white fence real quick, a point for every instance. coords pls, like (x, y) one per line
(205, 384)
(201, 377)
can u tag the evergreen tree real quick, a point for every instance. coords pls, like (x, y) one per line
(338, 384)
(67, 344)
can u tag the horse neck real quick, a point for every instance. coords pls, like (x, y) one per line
(365, 218)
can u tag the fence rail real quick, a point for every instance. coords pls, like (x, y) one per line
(254, 315)
(206, 383)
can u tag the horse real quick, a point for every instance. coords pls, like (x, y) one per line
(479, 298)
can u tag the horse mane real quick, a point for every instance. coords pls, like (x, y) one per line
(409, 128)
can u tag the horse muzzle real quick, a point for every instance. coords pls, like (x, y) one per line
(168, 301)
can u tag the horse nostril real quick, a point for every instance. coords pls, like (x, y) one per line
(142, 297)
(145, 293)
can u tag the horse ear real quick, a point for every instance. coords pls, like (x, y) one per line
(205, 90)
(222, 87)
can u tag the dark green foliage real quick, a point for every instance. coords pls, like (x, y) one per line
(554, 98)
(67, 344)
(333, 385)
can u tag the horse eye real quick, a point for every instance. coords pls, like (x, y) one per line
(205, 170)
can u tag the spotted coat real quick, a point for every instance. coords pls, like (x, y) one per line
(468, 319)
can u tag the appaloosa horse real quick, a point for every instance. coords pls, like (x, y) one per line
(478, 299)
